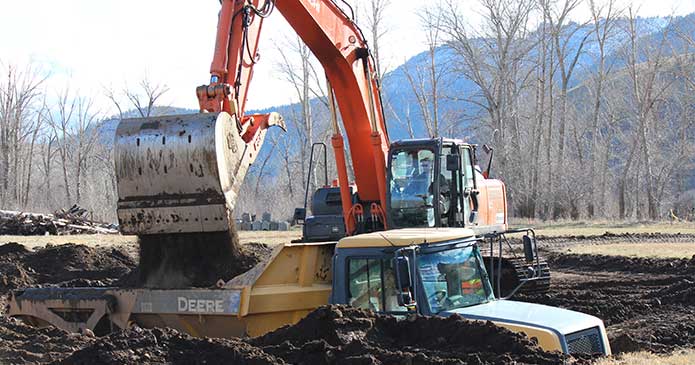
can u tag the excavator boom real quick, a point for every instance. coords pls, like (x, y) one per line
(180, 174)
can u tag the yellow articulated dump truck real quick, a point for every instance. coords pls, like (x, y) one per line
(438, 272)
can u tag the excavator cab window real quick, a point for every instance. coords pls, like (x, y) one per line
(427, 187)
(411, 188)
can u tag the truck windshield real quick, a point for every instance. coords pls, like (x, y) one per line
(453, 279)
(411, 195)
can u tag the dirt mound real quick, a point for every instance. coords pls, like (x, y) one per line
(622, 263)
(341, 334)
(157, 345)
(330, 335)
(662, 331)
(55, 264)
(681, 292)
(560, 242)
(25, 344)
(63, 265)
(12, 248)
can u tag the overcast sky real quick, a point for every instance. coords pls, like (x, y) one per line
(92, 44)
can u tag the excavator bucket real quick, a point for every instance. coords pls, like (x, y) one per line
(182, 173)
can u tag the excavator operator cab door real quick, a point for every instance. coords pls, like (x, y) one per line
(458, 186)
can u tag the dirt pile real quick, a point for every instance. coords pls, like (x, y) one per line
(138, 346)
(647, 304)
(346, 335)
(23, 344)
(622, 263)
(556, 242)
(64, 265)
(329, 335)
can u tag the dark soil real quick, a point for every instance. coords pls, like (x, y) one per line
(608, 238)
(194, 260)
(329, 335)
(346, 335)
(20, 343)
(138, 346)
(62, 265)
(646, 304)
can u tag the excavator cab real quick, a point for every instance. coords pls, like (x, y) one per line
(431, 183)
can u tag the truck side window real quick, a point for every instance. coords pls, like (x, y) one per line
(372, 285)
(365, 284)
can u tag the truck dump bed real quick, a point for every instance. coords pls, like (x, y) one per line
(280, 290)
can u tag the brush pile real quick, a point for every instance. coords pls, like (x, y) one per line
(62, 222)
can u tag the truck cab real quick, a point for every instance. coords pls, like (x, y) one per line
(441, 272)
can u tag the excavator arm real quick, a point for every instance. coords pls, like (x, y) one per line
(179, 174)
(340, 47)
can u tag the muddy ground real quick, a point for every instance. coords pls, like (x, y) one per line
(330, 335)
(646, 304)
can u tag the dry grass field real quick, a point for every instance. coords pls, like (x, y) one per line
(684, 357)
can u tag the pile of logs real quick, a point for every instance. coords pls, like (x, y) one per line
(62, 222)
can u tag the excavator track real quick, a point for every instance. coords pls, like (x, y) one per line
(516, 270)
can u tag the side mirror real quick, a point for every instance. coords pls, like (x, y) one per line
(529, 248)
(453, 162)
(490, 151)
(299, 215)
(404, 281)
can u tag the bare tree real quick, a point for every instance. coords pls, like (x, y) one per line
(299, 68)
(84, 138)
(492, 59)
(648, 87)
(604, 20)
(567, 55)
(59, 121)
(426, 79)
(377, 13)
(146, 102)
(18, 93)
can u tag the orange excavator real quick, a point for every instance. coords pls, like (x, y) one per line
(182, 174)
